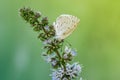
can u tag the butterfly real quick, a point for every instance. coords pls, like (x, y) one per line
(64, 25)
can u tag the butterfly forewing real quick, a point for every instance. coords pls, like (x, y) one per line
(65, 25)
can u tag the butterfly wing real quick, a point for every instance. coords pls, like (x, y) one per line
(65, 25)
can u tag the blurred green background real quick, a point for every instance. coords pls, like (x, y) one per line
(97, 39)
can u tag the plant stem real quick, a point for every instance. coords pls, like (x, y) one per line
(58, 54)
(60, 58)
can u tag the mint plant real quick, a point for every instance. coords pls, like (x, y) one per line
(56, 52)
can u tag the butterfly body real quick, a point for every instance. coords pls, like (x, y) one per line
(64, 25)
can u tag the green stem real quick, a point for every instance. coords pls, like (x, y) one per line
(58, 54)
(61, 60)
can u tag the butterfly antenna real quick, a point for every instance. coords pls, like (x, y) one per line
(68, 43)
(61, 47)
